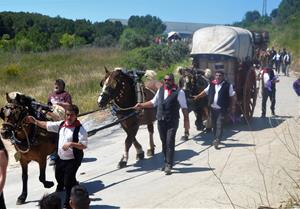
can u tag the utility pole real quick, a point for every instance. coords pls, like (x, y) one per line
(264, 9)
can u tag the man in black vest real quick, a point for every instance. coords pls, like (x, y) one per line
(168, 99)
(221, 96)
(269, 80)
(72, 140)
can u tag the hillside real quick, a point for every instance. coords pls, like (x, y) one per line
(34, 74)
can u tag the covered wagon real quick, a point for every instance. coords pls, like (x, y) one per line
(233, 48)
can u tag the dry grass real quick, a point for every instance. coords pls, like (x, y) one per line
(34, 74)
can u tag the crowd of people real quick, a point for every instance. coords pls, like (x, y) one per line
(168, 99)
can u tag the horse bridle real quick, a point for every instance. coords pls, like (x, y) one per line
(117, 98)
(18, 125)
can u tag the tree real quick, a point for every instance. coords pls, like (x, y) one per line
(252, 16)
(67, 40)
(150, 24)
(133, 38)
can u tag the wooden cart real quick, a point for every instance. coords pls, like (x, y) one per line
(235, 49)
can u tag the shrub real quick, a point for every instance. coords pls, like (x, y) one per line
(13, 70)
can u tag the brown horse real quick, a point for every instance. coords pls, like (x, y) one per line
(120, 89)
(192, 82)
(20, 134)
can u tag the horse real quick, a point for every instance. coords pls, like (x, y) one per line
(20, 134)
(119, 87)
(192, 82)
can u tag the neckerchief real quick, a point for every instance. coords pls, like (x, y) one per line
(75, 124)
(173, 88)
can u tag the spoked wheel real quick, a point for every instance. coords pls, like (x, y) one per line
(249, 94)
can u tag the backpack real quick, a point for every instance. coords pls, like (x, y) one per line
(78, 153)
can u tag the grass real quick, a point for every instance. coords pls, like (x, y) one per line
(34, 74)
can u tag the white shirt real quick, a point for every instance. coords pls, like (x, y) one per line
(266, 78)
(217, 89)
(66, 135)
(180, 98)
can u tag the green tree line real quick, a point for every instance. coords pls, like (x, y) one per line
(283, 24)
(26, 32)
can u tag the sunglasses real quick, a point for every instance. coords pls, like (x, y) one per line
(168, 79)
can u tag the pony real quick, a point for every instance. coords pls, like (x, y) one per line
(123, 89)
(20, 134)
(192, 82)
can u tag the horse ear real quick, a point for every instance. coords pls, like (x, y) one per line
(106, 70)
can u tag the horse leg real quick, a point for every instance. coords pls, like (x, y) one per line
(150, 152)
(42, 177)
(21, 199)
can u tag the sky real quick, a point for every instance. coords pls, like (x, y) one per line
(193, 11)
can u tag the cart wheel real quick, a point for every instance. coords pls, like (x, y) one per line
(249, 94)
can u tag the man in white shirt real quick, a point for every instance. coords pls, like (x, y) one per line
(168, 99)
(72, 140)
(221, 96)
(269, 80)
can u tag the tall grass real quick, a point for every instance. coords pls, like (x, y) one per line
(34, 74)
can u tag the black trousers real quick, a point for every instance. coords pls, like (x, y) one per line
(2, 203)
(217, 119)
(265, 95)
(65, 174)
(167, 132)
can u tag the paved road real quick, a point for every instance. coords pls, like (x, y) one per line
(255, 166)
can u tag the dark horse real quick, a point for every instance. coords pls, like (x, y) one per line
(192, 81)
(120, 89)
(20, 134)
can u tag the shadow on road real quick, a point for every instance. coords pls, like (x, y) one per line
(256, 124)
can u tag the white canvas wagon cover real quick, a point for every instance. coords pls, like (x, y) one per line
(223, 40)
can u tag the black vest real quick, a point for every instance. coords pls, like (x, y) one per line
(78, 153)
(223, 99)
(168, 109)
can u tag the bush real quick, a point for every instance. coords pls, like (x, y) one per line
(156, 56)
(24, 45)
(13, 70)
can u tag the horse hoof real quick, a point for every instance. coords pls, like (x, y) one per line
(122, 164)
(150, 152)
(48, 184)
(140, 156)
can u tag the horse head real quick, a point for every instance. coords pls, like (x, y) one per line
(13, 115)
(116, 85)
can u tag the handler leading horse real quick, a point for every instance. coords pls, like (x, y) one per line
(120, 89)
(20, 134)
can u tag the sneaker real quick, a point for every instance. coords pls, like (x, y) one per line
(51, 162)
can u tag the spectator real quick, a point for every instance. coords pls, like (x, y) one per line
(277, 60)
(286, 63)
(168, 99)
(3, 168)
(72, 140)
(269, 80)
(79, 198)
(219, 93)
(296, 86)
(61, 98)
(50, 201)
